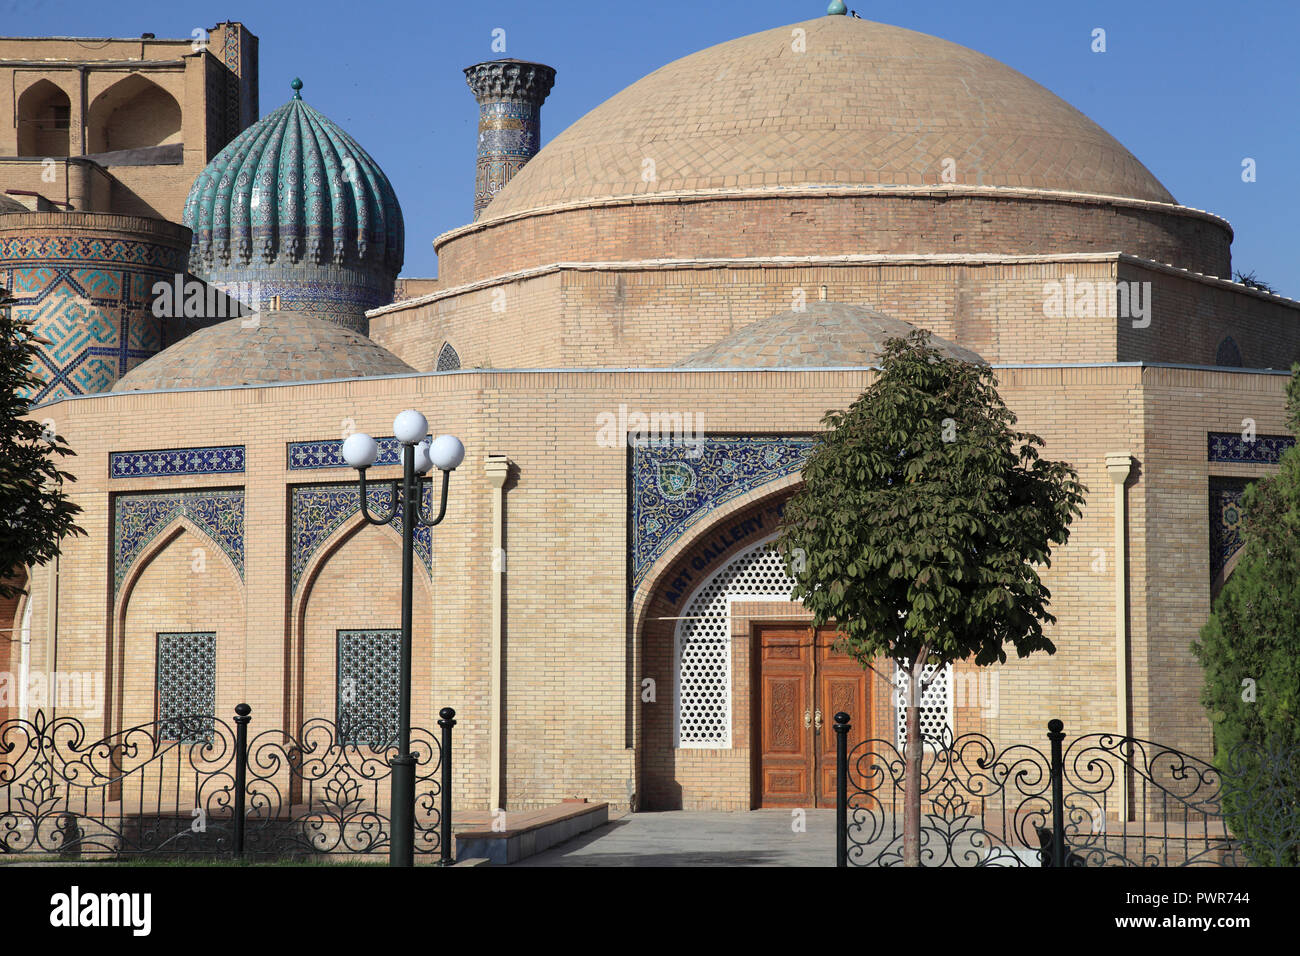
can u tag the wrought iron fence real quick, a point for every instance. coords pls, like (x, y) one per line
(1103, 800)
(198, 785)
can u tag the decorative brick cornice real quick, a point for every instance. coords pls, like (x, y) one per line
(836, 191)
(856, 259)
(510, 80)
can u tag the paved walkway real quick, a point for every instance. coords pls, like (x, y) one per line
(685, 838)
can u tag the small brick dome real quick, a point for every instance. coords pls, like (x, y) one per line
(263, 349)
(836, 100)
(824, 335)
(8, 204)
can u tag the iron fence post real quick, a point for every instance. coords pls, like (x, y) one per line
(842, 789)
(242, 712)
(1056, 734)
(446, 720)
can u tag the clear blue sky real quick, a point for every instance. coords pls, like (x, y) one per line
(1191, 87)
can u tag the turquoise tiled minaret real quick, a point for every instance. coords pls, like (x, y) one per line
(510, 94)
(293, 208)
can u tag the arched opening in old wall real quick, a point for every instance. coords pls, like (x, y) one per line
(134, 113)
(44, 120)
(345, 626)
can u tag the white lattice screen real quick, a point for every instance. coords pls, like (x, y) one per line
(936, 703)
(703, 643)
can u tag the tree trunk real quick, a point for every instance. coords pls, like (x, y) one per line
(913, 749)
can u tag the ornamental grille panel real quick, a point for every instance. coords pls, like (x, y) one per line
(936, 704)
(187, 684)
(703, 643)
(369, 668)
(448, 359)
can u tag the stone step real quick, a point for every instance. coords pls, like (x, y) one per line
(528, 832)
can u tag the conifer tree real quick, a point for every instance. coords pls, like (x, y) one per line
(1250, 650)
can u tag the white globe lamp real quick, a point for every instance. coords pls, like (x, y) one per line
(423, 462)
(410, 427)
(360, 450)
(447, 452)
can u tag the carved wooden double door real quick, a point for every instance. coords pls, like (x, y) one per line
(802, 683)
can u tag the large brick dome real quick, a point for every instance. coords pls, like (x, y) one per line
(863, 104)
(835, 136)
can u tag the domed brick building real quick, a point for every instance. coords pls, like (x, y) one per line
(711, 258)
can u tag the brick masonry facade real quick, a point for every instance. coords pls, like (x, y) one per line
(574, 724)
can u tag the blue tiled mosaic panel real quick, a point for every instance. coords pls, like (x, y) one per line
(317, 511)
(187, 684)
(138, 519)
(1225, 521)
(675, 485)
(81, 249)
(305, 455)
(216, 460)
(93, 322)
(1230, 447)
(369, 669)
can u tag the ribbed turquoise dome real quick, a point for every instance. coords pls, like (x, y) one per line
(294, 207)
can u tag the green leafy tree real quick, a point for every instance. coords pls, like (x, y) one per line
(1250, 651)
(35, 513)
(916, 532)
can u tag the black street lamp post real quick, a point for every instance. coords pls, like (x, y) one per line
(419, 456)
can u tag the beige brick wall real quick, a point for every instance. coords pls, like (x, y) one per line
(1190, 317)
(89, 74)
(842, 222)
(572, 657)
(187, 585)
(641, 314)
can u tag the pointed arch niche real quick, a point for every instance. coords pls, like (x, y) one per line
(133, 113)
(353, 581)
(44, 120)
(180, 582)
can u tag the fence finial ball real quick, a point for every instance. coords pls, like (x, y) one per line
(837, 8)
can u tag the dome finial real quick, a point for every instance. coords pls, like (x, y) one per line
(296, 85)
(837, 8)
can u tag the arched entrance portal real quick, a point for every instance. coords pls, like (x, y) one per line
(746, 688)
(797, 679)
(744, 676)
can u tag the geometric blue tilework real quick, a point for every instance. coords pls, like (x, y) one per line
(186, 684)
(130, 252)
(215, 460)
(317, 511)
(1225, 520)
(89, 298)
(675, 485)
(303, 455)
(1230, 447)
(369, 669)
(138, 519)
